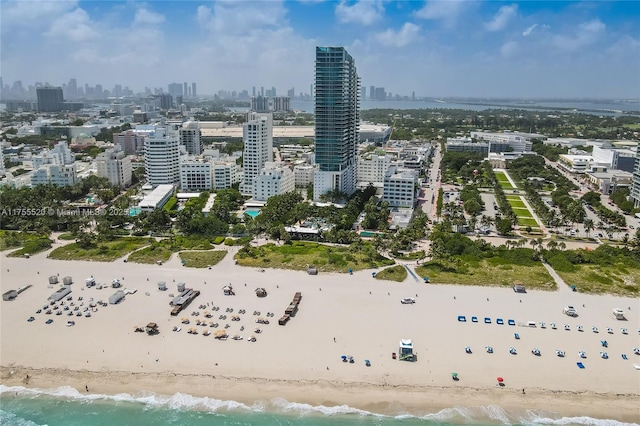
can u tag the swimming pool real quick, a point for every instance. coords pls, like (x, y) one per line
(252, 213)
(370, 234)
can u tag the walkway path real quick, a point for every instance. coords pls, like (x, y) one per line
(562, 286)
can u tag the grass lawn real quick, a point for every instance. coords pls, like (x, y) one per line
(600, 279)
(395, 273)
(527, 221)
(489, 272)
(67, 236)
(106, 251)
(517, 203)
(150, 255)
(202, 259)
(503, 181)
(299, 255)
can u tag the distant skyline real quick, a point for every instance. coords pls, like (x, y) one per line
(441, 48)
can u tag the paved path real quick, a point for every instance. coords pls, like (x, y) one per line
(562, 286)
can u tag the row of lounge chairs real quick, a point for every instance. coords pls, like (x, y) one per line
(487, 320)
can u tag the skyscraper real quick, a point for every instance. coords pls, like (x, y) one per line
(635, 186)
(191, 137)
(193, 90)
(337, 102)
(258, 147)
(162, 157)
(50, 99)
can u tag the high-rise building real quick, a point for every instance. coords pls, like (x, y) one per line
(185, 89)
(162, 157)
(274, 179)
(635, 186)
(195, 174)
(115, 166)
(372, 92)
(50, 99)
(166, 101)
(175, 89)
(257, 136)
(380, 94)
(337, 114)
(130, 141)
(194, 93)
(72, 89)
(191, 137)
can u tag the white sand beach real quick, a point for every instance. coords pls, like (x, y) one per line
(301, 361)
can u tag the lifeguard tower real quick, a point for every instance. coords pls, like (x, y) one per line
(405, 351)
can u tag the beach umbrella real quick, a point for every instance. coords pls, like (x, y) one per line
(454, 375)
(500, 379)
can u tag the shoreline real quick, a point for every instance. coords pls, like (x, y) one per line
(377, 399)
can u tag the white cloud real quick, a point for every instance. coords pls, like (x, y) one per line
(446, 11)
(405, 35)
(364, 12)
(510, 48)
(75, 26)
(529, 30)
(144, 16)
(20, 13)
(502, 18)
(587, 33)
(231, 17)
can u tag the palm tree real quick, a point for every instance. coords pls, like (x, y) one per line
(588, 226)
(552, 245)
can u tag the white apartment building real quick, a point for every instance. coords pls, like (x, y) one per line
(226, 174)
(157, 198)
(274, 179)
(162, 157)
(257, 134)
(195, 174)
(502, 141)
(63, 153)
(191, 137)
(60, 175)
(373, 168)
(303, 174)
(400, 187)
(115, 166)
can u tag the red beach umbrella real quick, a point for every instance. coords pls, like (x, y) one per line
(500, 380)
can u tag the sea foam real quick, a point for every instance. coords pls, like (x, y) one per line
(487, 415)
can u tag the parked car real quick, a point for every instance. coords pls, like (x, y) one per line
(570, 311)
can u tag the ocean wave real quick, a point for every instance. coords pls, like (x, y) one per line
(487, 415)
(7, 418)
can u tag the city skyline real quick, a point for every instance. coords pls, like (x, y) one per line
(432, 48)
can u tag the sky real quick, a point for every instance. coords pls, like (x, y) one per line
(455, 48)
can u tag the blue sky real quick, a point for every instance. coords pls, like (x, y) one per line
(436, 48)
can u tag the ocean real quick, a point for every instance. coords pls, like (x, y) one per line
(597, 107)
(66, 406)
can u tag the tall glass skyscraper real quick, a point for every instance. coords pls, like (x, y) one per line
(635, 187)
(337, 115)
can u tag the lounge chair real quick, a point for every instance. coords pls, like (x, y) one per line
(579, 328)
(582, 354)
(511, 322)
(462, 318)
(367, 363)
(554, 326)
(513, 351)
(624, 331)
(566, 327)
(536, 351)
(543, 325)
(500, 321)
(636, 351)
(487, 320)
(580, 365)
(516, 336)
(609, 330)
(474, 319)
(594, 329)
(604, 343)
(624, 356)
(604, 355)
(489, 349)
(560, 353)
(467, 349)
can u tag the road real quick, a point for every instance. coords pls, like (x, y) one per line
(429, 191)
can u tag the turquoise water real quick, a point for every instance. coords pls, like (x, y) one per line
(65, 406)
(369, 234)
(252, 213)
(134, 211)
